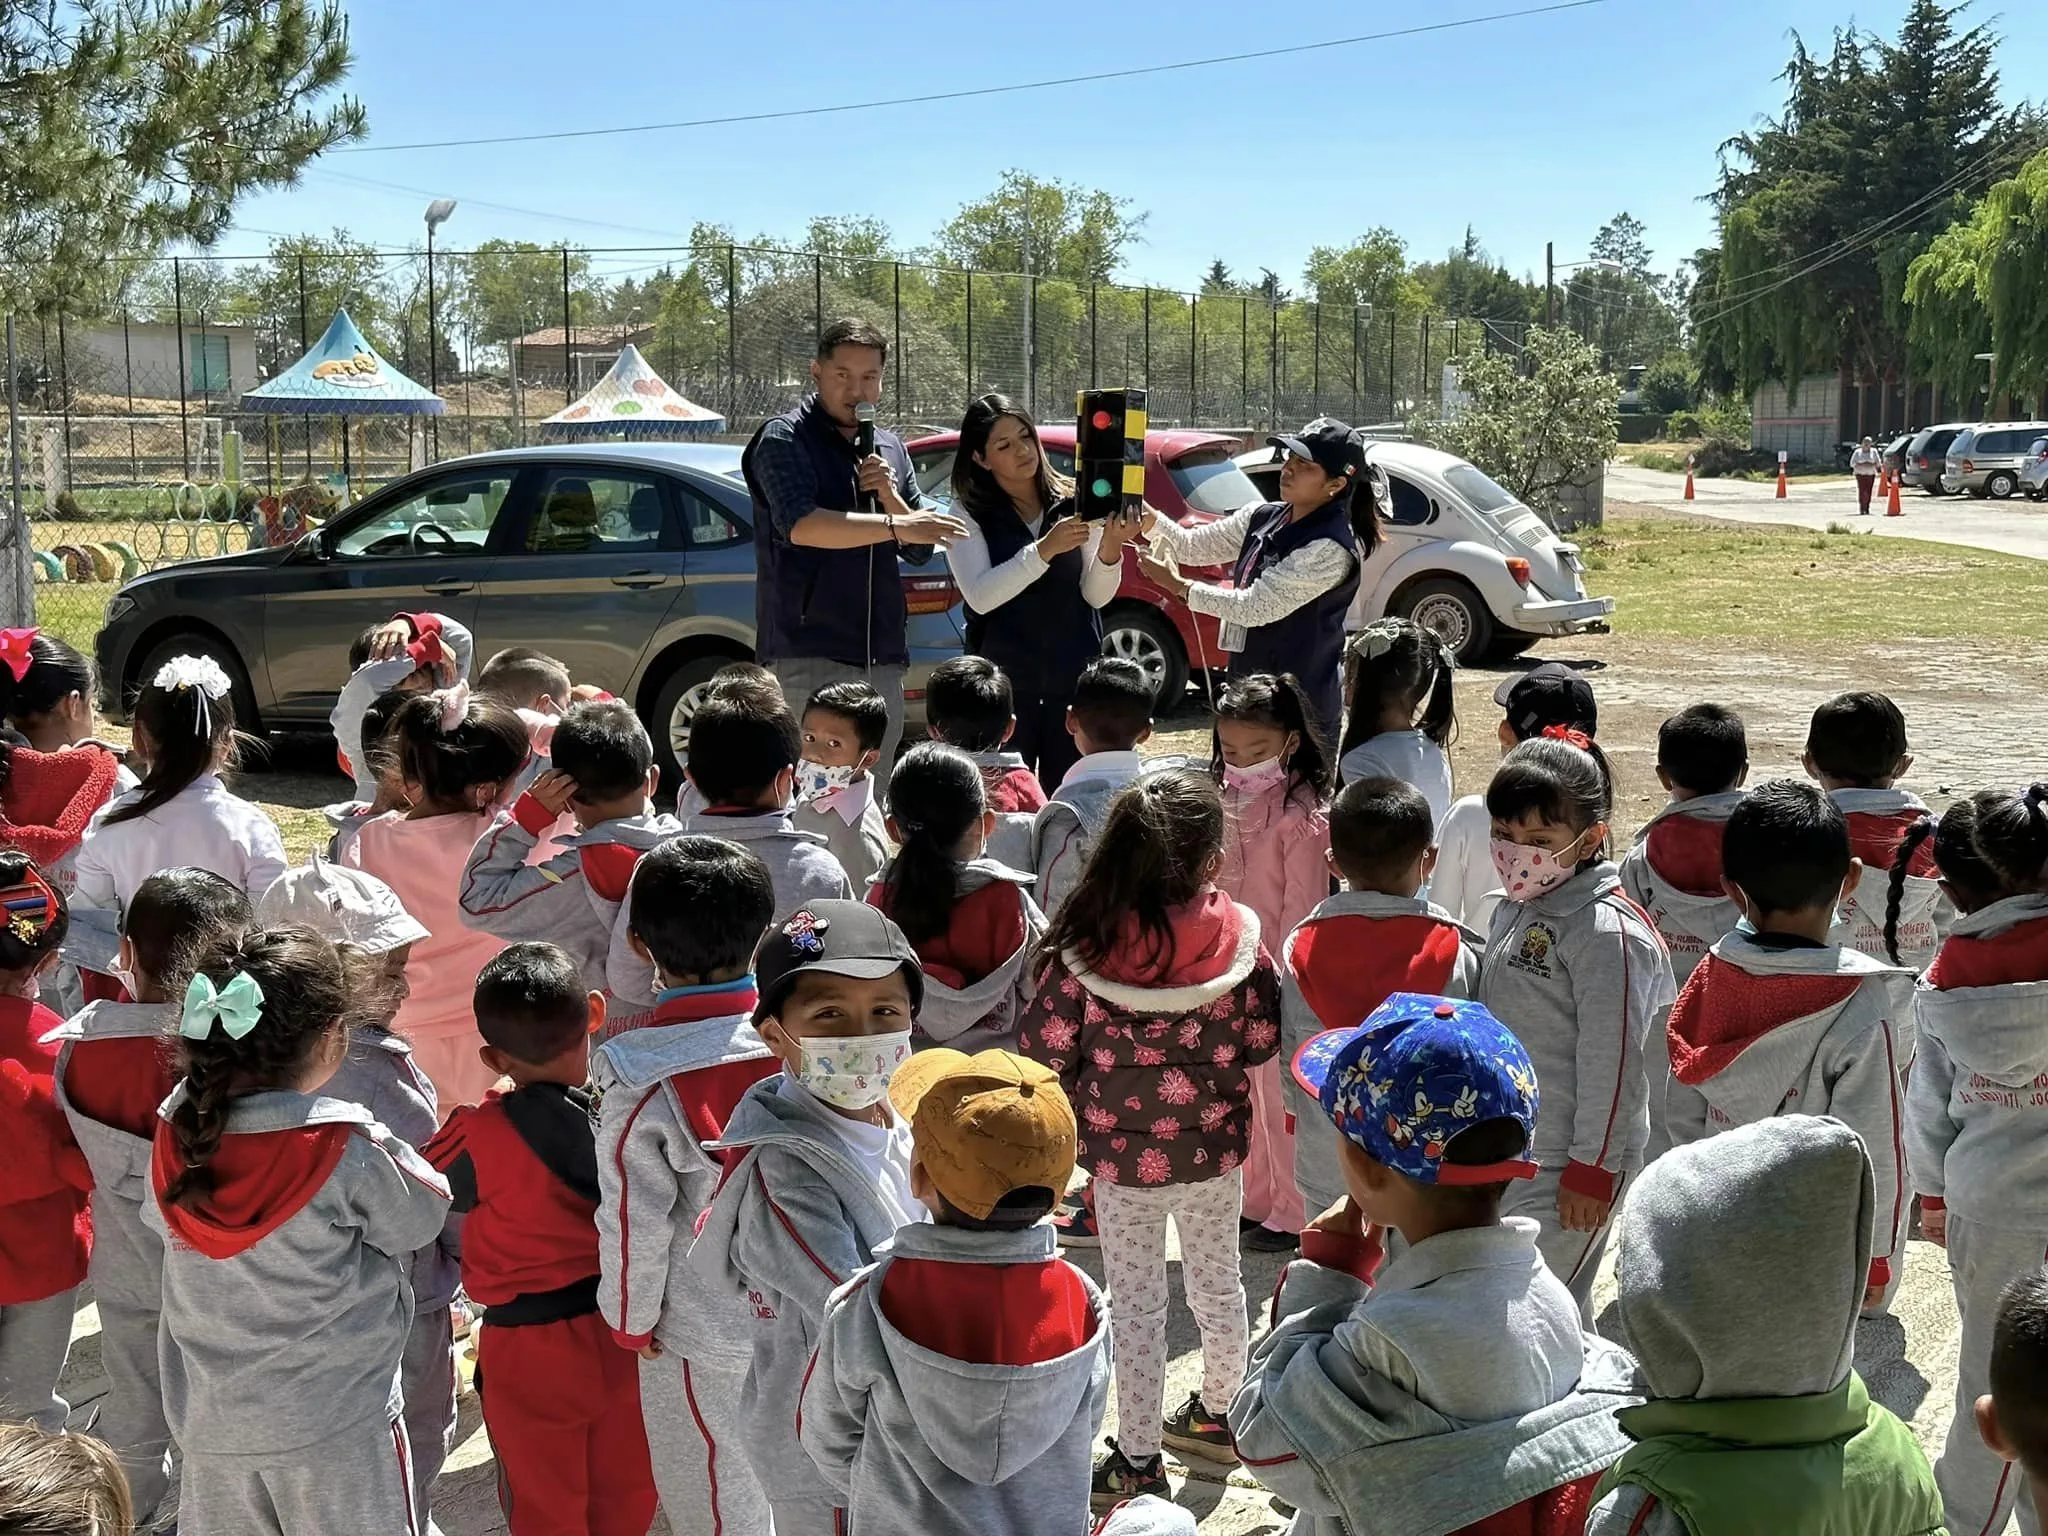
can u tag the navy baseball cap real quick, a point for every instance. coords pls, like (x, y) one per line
(1331, 445)
(1418, 1071)
(1547, 695)
(843, 938)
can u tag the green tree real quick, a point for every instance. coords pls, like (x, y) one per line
(1622, 306)
(1668, 384)
(1218, 283)
(505, 289)
(126, 125)
(1982, 285)
(1823, 208)
(1468, 284)
(1373, 270)
(1537, 423)
(1076, 233)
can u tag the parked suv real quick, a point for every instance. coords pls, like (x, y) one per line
(632, 562)
(2034, 478)
(1925, 456)
(1987, 460)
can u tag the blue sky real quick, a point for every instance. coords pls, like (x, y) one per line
(1532, 129)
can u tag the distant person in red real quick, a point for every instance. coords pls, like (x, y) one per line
(561, 1396)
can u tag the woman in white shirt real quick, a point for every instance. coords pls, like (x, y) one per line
(1864, 464)
(1034, 576)
(181, 813)
(1296, 564)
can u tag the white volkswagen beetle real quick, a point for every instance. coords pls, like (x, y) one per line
(1461, 556)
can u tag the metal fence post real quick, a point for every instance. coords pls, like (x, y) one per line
(1273, 367)
(1094, 376)
(970, 331)
(568, 357)
(817, 299)
(1194, 358)
(1315, 367)
(1148, 337)
(732, 342)
(902, 404)
(305, 346)
(1362, 328)
(1354, 364)
(1422, 369)
(20, 563)
(432, 425)
(128, 374)
(178, 308)
(1244, 361)
(64, 397)
(1393, 411)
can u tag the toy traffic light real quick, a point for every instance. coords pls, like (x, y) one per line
(1109, 452)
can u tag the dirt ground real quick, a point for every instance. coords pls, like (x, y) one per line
(1977, 716)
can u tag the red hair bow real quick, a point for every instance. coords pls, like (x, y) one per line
(15, 654)
(1570, 735)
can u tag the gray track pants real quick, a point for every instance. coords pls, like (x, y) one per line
(1978, 1489)
(34, 1339)
(353, 1484)
(692, 1412)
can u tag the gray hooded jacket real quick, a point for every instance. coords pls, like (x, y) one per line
(1011, 842)
(1064, 834)
(573, 899)
(1387, 1412)
(861, 846)
(127, 1255)
(983, 1014)
(1976, 1113)
(1689, 923)
(800, 865)
(655, 1177)
(1741, 1272)
(292, 1336)
(918, 1441)
(794, 1221)
(1581, 977)
(1924, 912)
(379, 1074)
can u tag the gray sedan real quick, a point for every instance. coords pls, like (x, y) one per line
(631, 562)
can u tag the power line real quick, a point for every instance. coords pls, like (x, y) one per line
(979, 91)
(350, 178)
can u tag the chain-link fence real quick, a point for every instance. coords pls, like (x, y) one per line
(134, 450)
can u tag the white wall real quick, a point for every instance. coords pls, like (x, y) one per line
(99, 363)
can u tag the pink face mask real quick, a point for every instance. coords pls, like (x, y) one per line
(1256, 778)
(1526, 872)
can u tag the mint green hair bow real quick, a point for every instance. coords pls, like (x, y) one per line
(236, 1006)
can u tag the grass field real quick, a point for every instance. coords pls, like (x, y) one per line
(1673, 579)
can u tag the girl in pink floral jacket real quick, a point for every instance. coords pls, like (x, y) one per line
(1154, 998)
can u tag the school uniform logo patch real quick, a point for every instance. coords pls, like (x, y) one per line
(1533, 953)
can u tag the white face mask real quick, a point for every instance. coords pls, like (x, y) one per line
(1256, 778)
(126, 977)
(852, 1072)
(1526, 872)
(815, 779)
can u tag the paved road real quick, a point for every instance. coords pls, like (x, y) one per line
(2011, 527)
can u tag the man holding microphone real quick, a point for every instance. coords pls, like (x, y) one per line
(829, 522)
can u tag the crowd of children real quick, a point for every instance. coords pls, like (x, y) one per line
(746, 1138)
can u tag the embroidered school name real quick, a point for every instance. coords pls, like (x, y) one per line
(1982, 1090)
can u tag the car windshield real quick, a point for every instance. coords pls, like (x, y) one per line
(1209, 480)
(1480, 489)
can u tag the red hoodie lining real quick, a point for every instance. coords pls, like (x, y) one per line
(1202, 946)
(1874, 838)
(1725, 1009)
(50, 796)
(1685, 853)
(120, 1081)
(989, 1314)
(986, 928)
(2018, 954)
(1347, 966)
(261, 1180)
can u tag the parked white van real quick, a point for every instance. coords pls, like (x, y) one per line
(1462, 557)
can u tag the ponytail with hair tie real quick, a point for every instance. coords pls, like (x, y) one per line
(1895, 894)
(1570, 735)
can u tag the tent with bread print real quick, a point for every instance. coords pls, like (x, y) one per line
(633, 401)
(342, 375)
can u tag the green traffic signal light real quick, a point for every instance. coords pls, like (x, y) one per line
(1101, 487)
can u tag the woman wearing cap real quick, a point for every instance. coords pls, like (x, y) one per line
(1296, 564)
(1033, 575)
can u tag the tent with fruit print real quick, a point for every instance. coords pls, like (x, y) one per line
(632, 401)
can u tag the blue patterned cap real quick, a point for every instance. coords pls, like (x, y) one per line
(1413, 1075)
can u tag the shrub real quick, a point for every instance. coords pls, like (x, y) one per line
(65, 509)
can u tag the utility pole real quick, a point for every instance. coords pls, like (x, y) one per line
(1549, 286)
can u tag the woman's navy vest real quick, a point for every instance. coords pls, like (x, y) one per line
(1308, 642)
(843, 605)
(1047, 633)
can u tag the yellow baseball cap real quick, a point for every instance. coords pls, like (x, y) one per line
(985, 1125)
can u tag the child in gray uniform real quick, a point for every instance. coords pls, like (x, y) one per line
(2012, 1418)
(113, 1070)
(291, 1220)
(1576, 970)
(363, 918)
(843, 728)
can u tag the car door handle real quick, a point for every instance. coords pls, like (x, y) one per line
(450, 588)
(640, 580)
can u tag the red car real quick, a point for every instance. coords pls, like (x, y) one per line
(1190, 477)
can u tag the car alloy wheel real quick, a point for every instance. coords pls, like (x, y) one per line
(1135, 645)
(680, 716)
(2000, 486)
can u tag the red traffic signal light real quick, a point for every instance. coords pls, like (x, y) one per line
(1109, 452)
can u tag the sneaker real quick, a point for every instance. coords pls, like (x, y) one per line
(1194, 1431)
(1262, 1239)
(1118, 1478)
(1074, 1224)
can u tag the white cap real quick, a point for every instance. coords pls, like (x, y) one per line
(347, 905)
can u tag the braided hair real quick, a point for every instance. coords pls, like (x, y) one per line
(305, 1004)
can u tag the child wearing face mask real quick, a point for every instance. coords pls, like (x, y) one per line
(1578, 972)
(818, 1170)
(844, 725)
(1276, 772)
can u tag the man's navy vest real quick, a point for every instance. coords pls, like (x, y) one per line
(843, 605)
(1047, 633)
(1308, 642)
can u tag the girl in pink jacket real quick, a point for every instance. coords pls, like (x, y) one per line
(1276, 772)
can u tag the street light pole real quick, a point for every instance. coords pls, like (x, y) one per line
(1549, 285)
(437, 214)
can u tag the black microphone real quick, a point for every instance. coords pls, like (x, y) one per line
(863, 445)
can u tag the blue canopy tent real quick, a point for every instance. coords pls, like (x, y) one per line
(342, 375)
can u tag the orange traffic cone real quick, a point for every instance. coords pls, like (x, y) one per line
(1781, 479)
(1688, 477)
(1891, 505)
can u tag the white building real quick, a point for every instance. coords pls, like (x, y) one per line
(144, 358)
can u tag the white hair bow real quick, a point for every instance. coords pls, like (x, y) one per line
(201, 673)
(454, 704)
